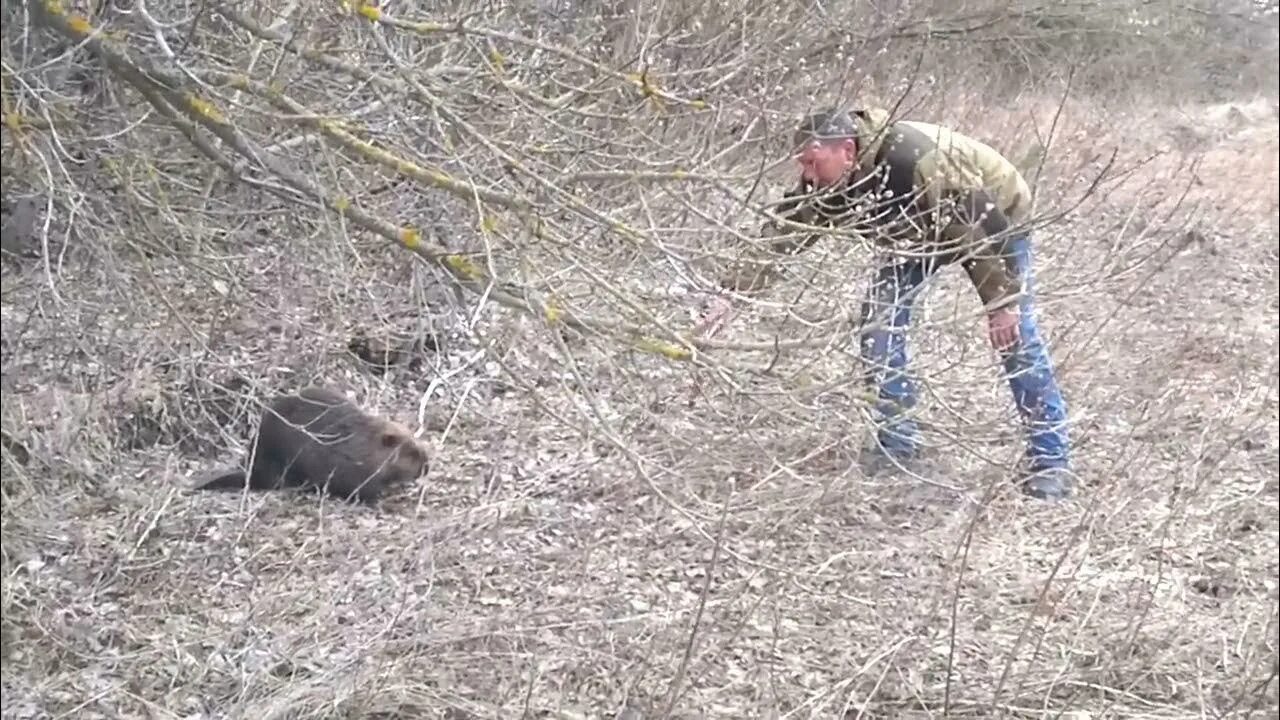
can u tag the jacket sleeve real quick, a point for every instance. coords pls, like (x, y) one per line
(990, 265)
(972, 223)
(795, 210)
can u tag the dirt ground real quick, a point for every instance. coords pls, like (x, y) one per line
(665, 545)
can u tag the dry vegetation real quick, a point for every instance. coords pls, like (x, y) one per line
(205, 202)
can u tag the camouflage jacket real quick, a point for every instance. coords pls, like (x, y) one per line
(923, 188)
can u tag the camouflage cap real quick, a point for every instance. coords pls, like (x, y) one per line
(829, 124)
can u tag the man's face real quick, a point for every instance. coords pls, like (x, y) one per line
(825, 162)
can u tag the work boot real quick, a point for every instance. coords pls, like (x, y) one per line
(1051, 484)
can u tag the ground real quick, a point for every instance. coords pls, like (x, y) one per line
(678, 542)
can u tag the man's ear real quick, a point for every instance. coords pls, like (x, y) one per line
(850, 148)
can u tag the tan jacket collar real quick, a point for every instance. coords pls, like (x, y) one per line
(873, 125)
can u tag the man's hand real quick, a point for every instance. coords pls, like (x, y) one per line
(717, 314)
(1002, 328)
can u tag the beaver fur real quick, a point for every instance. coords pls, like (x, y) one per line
(316, 438)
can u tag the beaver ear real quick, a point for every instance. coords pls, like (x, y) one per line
(391, 439)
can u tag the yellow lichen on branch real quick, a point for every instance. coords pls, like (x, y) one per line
(361, 7)
(552, 312)
(498, 60)
(206, 109)
(660, 347)
(648, 89)
(463, 267)
(410, 238)
(79, 25)
(76, 23)
(432, 176)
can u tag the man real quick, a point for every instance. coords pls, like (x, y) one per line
(945, 199)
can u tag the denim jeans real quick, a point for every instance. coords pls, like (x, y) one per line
(886, 315)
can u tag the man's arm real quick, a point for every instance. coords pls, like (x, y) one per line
(990, 266)
(755, 275)
(976, 218)
(793, 209)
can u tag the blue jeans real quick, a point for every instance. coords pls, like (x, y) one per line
(886, 315)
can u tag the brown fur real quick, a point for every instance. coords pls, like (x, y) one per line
(317, 438)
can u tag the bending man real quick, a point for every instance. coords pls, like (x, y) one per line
(946, 199)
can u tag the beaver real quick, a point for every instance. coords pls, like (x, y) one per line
(317, 438)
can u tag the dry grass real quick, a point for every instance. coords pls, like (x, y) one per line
(604, 528)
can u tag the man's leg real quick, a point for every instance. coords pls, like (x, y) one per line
(1035, 389)
(886, 315)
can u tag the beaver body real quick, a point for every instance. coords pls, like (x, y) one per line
(317, 438)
